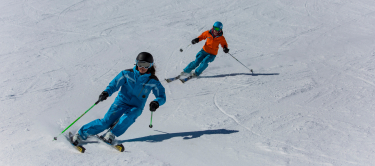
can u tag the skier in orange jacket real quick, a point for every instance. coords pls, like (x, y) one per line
(209, 51)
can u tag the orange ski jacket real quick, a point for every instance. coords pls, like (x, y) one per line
(212, 44)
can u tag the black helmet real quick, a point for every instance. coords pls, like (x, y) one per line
(145, 56)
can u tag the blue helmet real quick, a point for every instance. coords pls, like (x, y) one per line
(218, 24)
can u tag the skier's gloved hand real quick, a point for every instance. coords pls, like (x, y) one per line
(226, 50)
(103, 96)
(194, 41)
(154, 105)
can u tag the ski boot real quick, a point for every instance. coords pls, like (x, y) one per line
(76, 139)
(109, 138)
(193, 75)
(184, 74)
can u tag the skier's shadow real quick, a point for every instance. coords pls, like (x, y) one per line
(235, 74)
(185, 135)
(88, 142)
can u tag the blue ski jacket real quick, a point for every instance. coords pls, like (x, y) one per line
(135, 88)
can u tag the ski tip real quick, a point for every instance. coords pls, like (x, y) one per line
(80, 149)
(120, 147)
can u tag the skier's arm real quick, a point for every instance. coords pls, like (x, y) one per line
(159, 93)
(116, 83)
(224, 43)
(203, 36)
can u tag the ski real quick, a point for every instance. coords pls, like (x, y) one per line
(172, 79)
(80, 148)
(118, 147)
(183, 80)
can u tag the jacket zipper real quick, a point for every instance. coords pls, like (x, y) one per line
(141, 90)
(143, 86)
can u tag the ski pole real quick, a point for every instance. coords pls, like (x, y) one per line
(112, 126)
(55, 138)
(185, 48)
(251, 70)
(151, 121)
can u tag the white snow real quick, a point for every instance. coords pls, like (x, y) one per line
(310, 101)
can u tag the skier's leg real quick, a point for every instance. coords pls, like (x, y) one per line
(126, 121)
(204, 64)
(194, 64)
(100, 125)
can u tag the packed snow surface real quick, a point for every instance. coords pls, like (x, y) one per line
(310, 101)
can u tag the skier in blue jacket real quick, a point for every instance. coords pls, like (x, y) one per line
(136, 84)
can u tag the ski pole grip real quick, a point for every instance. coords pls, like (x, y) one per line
(97, 102)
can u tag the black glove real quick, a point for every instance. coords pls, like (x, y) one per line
(226, 50)
(103, 96)
(196, 40)
(154, 105)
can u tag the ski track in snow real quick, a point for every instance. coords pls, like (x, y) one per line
(230, 116)
(301, 151)
(310, 102)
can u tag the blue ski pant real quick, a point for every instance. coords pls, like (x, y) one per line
(202, 59)
(124, 113)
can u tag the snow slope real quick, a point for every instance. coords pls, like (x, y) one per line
(310, 101)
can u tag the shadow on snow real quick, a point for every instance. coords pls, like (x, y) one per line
(185, 135)
(235, 74)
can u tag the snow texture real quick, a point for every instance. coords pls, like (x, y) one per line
(309, 102)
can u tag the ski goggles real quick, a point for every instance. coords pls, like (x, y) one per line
(144, 64)
(217, 29)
